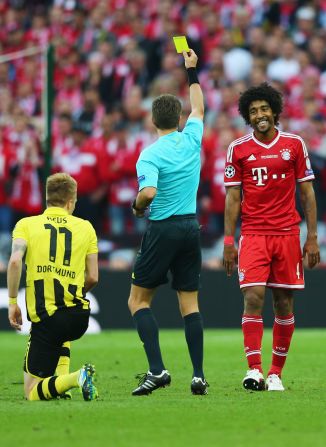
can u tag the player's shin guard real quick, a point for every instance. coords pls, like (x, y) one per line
(282, 334)
(52, 387)
(253, 328)
(64, 360)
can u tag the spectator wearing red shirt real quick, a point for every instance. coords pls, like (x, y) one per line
(121, 154)
(5, 159)
(5, 210)
(39, 33)
(70, 90)
(62, 140)
(213, 202)
(92, 110)
(82, 162)
(25, 165)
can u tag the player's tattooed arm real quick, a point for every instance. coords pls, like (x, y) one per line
(19, 246)
(15, 266)
(308, 203)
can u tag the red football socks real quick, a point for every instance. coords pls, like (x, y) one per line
(282, 334)
(253, 328)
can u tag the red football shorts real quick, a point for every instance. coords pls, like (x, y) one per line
(273, 261)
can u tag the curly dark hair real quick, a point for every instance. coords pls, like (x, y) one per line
(262, 92)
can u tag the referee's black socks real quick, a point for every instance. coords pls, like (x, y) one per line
(148, 333)
(195, 340)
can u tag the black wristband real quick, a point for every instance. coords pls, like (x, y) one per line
(133, 206)
(192, 76)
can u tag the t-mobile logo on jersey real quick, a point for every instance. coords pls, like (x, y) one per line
(260, 174)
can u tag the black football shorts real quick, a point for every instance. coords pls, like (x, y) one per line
(173, 245)
(47, 337)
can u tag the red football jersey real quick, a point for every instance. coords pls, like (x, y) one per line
(268, 174)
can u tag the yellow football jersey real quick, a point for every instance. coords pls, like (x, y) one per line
(57, 246)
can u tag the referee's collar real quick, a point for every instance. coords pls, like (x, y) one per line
(168, 134)
(56, 210)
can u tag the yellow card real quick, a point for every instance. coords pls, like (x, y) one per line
(181, 44)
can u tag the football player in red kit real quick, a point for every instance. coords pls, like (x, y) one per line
(261, 173)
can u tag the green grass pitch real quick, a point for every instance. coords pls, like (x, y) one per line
(228, 416)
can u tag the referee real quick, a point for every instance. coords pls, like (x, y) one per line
(168, 176)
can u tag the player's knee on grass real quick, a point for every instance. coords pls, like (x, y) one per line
(29, 384)
(44, 390)
(52, 387)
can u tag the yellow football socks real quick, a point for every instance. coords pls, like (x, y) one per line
(64, 360)
(54, 386)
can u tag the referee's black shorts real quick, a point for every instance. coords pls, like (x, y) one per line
(170, 244)
(47, 337)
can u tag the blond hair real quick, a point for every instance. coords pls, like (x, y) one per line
(60, 188)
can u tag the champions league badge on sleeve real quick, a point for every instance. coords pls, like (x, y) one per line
(229, 171)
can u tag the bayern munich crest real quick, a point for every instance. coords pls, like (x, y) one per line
(241, 275)
(286, 154)
(229, 171)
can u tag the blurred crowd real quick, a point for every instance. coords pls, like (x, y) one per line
(112, 57)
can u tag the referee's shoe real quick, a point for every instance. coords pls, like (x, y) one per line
(149, 382)
(199, 386)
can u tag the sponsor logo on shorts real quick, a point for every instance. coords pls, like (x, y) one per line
(229, 171)
(286, 154)
(241, 275)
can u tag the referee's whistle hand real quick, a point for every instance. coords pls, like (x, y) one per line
(190, 58)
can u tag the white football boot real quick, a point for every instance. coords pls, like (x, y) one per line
(254, 380)
(274, 383)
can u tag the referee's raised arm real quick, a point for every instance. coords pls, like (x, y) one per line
(196, 94)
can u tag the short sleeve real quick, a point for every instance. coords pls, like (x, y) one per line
(193, 130)
(92, 248)
(147, 173)
(20, 230)
(232, 171)
(303, 170)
